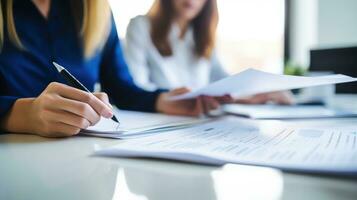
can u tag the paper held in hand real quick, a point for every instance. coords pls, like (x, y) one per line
(251, 81)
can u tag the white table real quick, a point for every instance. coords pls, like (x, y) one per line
(33, 167)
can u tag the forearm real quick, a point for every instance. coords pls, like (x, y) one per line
(18, 119)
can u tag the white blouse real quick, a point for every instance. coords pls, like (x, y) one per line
(151, 70)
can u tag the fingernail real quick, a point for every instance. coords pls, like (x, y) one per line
(107, 114)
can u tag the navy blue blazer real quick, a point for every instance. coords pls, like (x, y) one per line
(26, 73)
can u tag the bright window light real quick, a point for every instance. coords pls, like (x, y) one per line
(250, 32)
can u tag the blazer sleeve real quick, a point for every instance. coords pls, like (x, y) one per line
(6, 101)
(118, 83)
(136, 48)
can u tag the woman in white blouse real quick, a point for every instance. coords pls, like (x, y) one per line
(173, 46)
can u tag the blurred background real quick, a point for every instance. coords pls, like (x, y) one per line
(277, 34)
(250, 32)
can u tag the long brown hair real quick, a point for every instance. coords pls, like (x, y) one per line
(92, 17)
(204, 27)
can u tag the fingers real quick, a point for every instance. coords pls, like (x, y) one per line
(104, 98)
(199, 110)
(189, 107)
(276, 97)
(257, 99)
(68, 118)
(225, 99)
(62, 130)
(179, 91)
(75, 94)
(64, 111)
(286, 98)
(81, 109)
(208, 104)
(244, 101)
(203, 105)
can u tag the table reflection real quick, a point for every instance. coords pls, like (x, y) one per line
(159, 180)
(38, 168)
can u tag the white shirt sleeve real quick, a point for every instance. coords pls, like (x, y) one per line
(217, 70)
(136, 46)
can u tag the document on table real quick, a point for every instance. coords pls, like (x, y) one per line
(109, 129)
(272, 111)
(250, 82)
(221, 141)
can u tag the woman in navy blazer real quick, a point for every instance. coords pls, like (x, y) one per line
(81, 35)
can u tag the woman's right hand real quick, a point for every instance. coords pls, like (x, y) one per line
(60, 111)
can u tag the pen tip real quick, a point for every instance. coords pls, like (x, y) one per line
(115, 119)
(58, 67)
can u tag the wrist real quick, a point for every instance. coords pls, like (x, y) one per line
(159, 102)
(19, 118)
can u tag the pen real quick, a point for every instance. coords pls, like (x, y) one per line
(72, 81)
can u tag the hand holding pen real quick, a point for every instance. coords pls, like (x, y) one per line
(59, 111)
(72, 81)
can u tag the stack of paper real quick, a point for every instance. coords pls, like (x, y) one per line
(281, 112)
(110, 129)
(225, 141)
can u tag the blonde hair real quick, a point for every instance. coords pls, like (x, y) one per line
(95, 21)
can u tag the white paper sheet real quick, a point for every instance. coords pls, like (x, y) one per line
(250, 82)
(149, 124)
(271, 111)
(220, 142)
